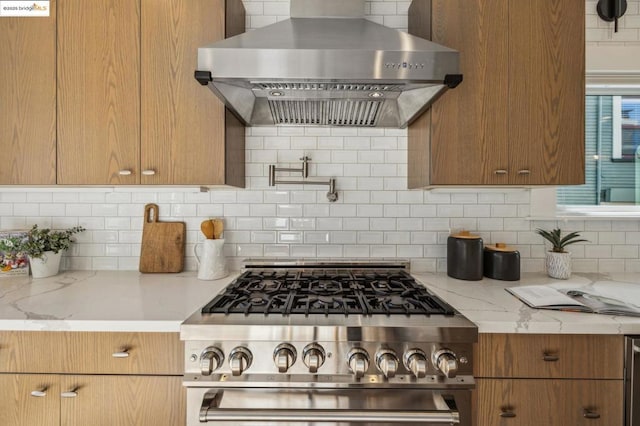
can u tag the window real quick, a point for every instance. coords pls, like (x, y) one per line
(612, 164)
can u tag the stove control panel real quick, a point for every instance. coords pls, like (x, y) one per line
(331, 360)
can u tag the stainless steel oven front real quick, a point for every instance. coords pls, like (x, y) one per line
(328, 346)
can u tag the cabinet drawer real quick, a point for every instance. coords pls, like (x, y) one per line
(91, 352)
(549, 356)
(535, 402)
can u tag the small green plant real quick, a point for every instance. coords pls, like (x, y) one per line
(557, 241)
(39, 240)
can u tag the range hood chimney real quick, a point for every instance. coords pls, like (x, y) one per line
(327, 66)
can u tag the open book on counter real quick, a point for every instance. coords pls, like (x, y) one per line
(576, 300)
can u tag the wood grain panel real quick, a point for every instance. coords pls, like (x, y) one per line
(150, 353)
(99, 91)
(90, 352)
(547, 91)
(23, 352)
(183, 127)
(19, 408)
(28, 100)
(469, 123)
(522, 356)
(123, 401)
(419, 152)
(549, 402)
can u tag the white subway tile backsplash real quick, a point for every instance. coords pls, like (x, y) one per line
(375, 216)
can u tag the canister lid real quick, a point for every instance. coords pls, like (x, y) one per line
(466, 235)
(500, 247)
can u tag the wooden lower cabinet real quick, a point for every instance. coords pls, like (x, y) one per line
(123, 401)
(548, 402)
(82, 400)
(18, 407)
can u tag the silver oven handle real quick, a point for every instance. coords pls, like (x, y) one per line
(209, 412)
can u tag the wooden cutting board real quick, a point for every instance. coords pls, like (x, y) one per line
(162, 243)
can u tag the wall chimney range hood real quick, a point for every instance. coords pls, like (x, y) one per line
(327, 66)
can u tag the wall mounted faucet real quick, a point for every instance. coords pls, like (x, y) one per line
(332, 195)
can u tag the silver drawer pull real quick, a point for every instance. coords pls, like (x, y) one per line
(150, 172)
(125, 172)
(524, 172)
(508, 414)
(328, 416)
(69, 394)
(39, 393)
(122, 353)
(588, 414)
(500, 172)
(550, 358)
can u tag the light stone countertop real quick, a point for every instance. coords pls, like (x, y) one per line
(104, 301)
(494, 310)
(131, 301)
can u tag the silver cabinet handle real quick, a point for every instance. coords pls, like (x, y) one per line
(124, 353)
(548, 357)
(149, 172)
(589, 414)
(507, 414)
(500, 172)
(524, 172)
(69, 394)
(125, 172)
(39, 393)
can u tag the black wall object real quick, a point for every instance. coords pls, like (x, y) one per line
(611, 10)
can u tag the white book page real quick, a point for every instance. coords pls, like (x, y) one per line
(537, 295)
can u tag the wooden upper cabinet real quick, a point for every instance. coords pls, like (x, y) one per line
(28, 99)
(469, 126)
(547, 91)
(98, 92)
(184, 136)
(518, 116)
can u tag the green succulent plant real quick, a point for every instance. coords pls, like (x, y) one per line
(557, 241)
(39, 240)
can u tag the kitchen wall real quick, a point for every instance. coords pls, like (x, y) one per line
(374, 217)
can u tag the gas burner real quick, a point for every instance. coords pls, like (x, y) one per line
(327, 292)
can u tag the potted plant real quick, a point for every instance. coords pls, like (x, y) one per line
(558, 260)
(44, 248)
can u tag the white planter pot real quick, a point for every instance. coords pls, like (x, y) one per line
(46, 266)
(559, 265)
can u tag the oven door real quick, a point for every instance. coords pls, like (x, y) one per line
(286, 406)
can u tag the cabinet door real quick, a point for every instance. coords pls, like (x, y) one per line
(123, 401)
(549, 402)
(183, 126)
(98, 92)
(19, 407)
(546, 91)
(28, 99)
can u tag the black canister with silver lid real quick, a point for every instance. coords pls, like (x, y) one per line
(501, 262)
(464, 256)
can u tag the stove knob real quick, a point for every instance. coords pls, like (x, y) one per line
(239, 360)
(210, 360)
(284, 356)
(446, 362)
(387, 362)
(358, 360)
(415, 360)
(313, 357)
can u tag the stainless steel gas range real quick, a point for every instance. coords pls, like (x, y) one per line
(339, 343)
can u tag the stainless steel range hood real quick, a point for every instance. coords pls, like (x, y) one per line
(317, 69)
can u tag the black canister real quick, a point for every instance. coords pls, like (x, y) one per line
(501, 262)
(464, 256)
